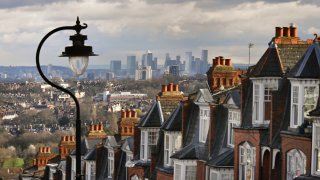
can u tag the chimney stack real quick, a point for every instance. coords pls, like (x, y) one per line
(164, 88)
(279, 32)
(286, 31)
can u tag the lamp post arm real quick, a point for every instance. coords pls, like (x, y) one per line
(77, 28)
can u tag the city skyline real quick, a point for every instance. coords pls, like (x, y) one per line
(130, 27)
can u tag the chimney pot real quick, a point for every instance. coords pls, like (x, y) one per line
(286, 31)
(228, 62)
(218, 60)
(123, 114)
(100, 126)
(170, 87)
(221, 60)
(129, 113)
(96, 127)
(91, 127)
(67, 138)
(293, 31)
(176, 87)
(279, 32)
(164, 88)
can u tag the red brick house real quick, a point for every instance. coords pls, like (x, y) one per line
(276, 95)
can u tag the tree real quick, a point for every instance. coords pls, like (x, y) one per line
(64, 121)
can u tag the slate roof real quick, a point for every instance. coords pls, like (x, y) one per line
(205, 95)
(291, 53)
(153, 118)
(309, 65)
(84, 148)
(174, 123)
(121, 170)
(192, 151)
(233, 95)
(101, 172)
(91, 155)
(223, 160)
(269, 64)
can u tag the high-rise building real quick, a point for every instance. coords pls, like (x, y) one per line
(115, 66)
(131, 64)
(204, 59)
(188, 61)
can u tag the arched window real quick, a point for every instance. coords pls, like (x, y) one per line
(296, 163)
(135, 177)
(247, 161)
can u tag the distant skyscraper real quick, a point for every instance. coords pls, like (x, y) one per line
(115, 66)
(188, 61)
(143, 73)
(131, 64)
(204, 59)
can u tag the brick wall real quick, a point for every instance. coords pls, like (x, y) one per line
(164, 176)
(139, 171)
(289, 142)
(252, 136)
(201, 170)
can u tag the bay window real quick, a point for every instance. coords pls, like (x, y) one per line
(304, 96)
(261, 101)
(172, 143)
(220, 174)
(185, 170)
(247, 161)
(149, 138)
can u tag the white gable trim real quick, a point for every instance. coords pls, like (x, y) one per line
(274, 154)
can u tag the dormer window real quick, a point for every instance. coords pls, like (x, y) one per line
(204, 118)
(304, 95)
(262, 96)
(149, 138)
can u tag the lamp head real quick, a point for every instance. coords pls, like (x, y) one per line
(78, 54)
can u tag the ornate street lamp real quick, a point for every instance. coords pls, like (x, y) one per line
(78, 55)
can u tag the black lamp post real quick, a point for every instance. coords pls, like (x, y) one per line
(78, 55)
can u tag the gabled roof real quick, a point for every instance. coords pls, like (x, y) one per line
(112, 141)
(204, 96)
(153, 118)
(233, 98)
(269, 64)
(128, 144)
(309, 65)
(174, 123)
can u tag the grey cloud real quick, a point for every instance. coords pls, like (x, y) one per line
(4, 4)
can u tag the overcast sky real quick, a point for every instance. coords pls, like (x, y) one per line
(125, 27)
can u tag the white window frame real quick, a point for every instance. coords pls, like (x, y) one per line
(73, 167)
(149, 137)
(90, 170)
(315, 164)
(172, 143)
(204, 122)
(258, 100)
(184, 164)
(219, 173)
(233, 121)
(247, 160)
(110, 163)
(296, 163)
(297, 106)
